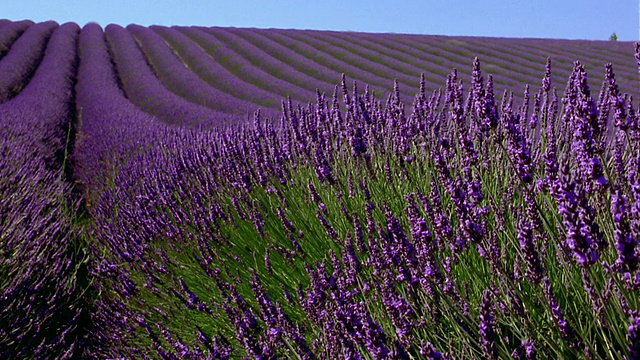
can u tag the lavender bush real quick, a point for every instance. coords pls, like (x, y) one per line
(471, 227)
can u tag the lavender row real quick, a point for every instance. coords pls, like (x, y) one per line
(131, 165)
(112, 132)
(413, 57)
(109, 125)
(376, 82)
(182, 81)
(143, 88)
(626, 76)
(506, 75)
(18, 65)
(267, 62)
(515, 50)
(301, 63)
(41, 296)
(435, 73)
(9, 32)
(372, 52)
(243, 68)
(214, 73)
(319, 70)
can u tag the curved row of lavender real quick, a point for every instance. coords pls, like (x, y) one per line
(182, 81)
(111, 132)
(42, 309)
(18, 65)
(339, 65)
(242, 67)
(110, 127)
(10, 31)
(213, 72)
(315, 62)
(320, 71)
(144, 88)
(413, 67)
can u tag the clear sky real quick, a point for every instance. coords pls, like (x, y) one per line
(567, 19)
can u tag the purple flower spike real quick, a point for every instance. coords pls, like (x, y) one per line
(558, 316)
(626, 241)
(487, 326)
(634, 337)
(534, 271)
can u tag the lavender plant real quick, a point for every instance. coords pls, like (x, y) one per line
(267, 252)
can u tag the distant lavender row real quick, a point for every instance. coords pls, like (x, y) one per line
(292, 59)
(41, 292)
(435, 67)
(267, 62)
(144, 89)
(516, 49)
(18, 65)
(182, 81)
(9, 32)
(356, 60)
(506, 74)
(213, 72)
(373, 53)
(377, 47)
(241, 67)
(317, 58)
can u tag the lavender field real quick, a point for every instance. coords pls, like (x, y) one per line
(229, 193)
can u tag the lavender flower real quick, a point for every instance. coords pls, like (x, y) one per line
(558, 316)
(634, 336)
(487, 326)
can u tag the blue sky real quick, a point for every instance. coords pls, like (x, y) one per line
(567, 19)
